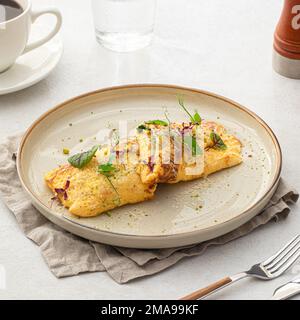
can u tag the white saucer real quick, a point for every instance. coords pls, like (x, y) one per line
(33, 66)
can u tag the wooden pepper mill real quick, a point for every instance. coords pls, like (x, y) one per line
(286, 56)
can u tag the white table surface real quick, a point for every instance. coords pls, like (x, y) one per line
(224, 48)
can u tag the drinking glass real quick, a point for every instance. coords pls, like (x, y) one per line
(124, 25)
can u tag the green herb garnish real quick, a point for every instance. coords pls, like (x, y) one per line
(141, 127)
(106, 169)
(196, 119)
(157, 122)
(80, 160)
(191, 142)
(167, 117)
(217, 141)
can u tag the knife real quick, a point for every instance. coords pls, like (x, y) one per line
(287, 290)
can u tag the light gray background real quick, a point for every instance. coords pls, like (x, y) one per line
(216, 45)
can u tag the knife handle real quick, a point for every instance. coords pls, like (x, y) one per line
(209, 289)
(214, 287)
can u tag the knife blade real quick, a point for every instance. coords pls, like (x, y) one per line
(287, 290)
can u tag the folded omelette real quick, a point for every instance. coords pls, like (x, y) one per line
(128, 172)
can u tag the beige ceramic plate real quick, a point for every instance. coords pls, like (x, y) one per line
(180, 214)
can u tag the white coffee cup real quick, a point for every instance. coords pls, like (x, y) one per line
(14, 33)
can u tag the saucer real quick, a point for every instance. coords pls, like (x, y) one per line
(33, 66)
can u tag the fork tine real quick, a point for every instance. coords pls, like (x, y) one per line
(283, 254)
(277, 254)
(283, 261)
(287, 265)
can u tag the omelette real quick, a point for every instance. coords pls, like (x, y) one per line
(107, 177)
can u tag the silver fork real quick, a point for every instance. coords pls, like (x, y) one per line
(269, 269)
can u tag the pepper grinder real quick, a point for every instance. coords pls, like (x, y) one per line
(286, 53)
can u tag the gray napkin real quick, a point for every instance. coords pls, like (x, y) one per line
(69, 255)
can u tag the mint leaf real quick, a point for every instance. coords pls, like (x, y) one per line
(217, 141)
(80, 160)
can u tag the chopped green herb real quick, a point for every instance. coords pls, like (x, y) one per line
(81, 140)
(80, 160)
(70, 124)
(157, 122)
(196, 119)
(217, 141)
(66, 151)
(108, 213)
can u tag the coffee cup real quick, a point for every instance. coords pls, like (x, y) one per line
(15, 31)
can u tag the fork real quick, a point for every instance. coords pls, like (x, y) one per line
(269, 269)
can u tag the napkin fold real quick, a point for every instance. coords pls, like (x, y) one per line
(69, 255)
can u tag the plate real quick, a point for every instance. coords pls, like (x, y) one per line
(33, 66)
(180, 214)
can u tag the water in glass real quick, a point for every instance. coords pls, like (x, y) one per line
(124, 25)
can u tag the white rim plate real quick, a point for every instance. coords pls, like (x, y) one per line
(33, 66)
(180, 214)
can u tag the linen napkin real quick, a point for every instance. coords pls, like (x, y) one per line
(69, 255)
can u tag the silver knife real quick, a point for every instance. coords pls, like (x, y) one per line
(287, 290)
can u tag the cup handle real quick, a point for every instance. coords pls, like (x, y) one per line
(34, 16)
